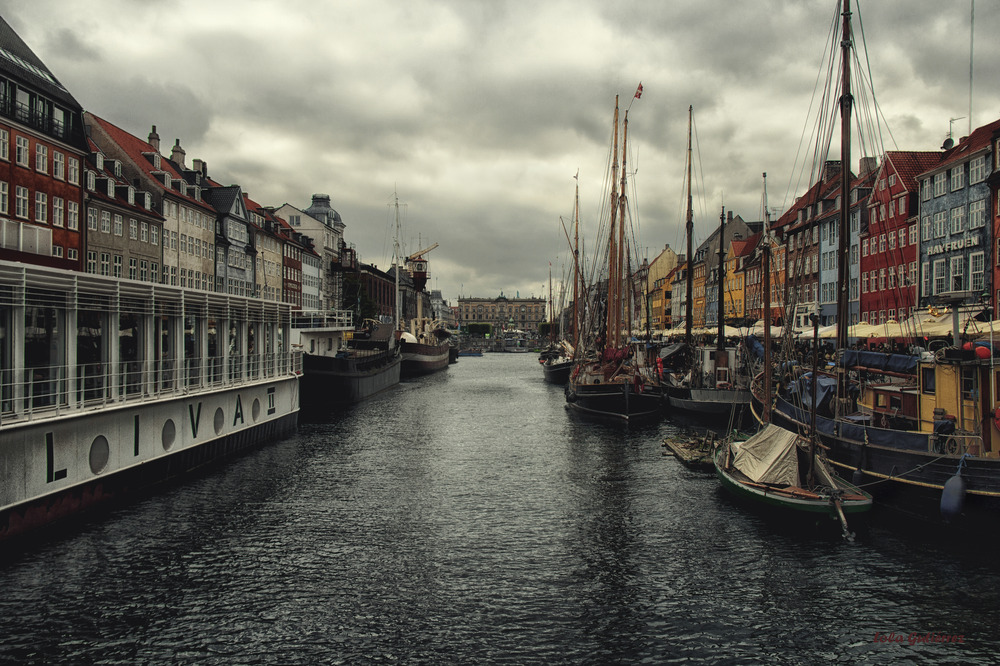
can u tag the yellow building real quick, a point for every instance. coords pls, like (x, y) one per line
(654, 313)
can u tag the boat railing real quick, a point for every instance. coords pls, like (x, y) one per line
(956, 444)
(322, 319)
(45, 392)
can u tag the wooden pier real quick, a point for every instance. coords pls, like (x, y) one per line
(695, 453)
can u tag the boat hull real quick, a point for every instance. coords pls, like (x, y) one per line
(557, 373)
(764, 496)
(709, 402)
(614, 400)
(61, 467)
(330, 381)
(423, 359)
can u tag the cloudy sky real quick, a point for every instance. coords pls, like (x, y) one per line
(480, 113)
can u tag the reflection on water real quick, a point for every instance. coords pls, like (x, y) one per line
(467, 518)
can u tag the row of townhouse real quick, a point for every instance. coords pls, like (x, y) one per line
(79, 193)
(924, 230)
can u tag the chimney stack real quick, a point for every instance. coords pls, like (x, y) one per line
(177, 154)
(154, 139)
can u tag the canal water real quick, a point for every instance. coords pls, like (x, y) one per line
(468, 518)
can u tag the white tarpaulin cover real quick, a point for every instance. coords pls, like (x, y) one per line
(768, 457)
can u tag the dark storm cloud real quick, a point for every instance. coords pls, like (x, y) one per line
(480, 113)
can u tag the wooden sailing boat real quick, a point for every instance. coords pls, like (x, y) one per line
(708, 382)
(557, 359)
(608, 378)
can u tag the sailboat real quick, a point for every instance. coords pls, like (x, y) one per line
(609, 378)
(557, 358)
(709, 382)
(926, 435)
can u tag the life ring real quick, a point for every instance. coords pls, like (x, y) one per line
(723, 385)
(952, 446)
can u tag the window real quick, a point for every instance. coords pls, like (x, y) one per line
(154, 234)
(864, 247)
(928, 229)
(58, 165)
(21, 151)
(73, 171)
(41, 158)
(154, 272)
(881, 279)
(902, 205)
(913, 234)
(940, 182)
(91, 262)
(977, 170)
(133, 268)
(892, 241)
(58, 212)
(4, 145)
(881, 243)
(892, 278)
(940, 219)
(4, 198)
(71, 254)
(864, 283)
(57, 251)
(913, 273)
(105, 263)
(977, 214)
(902, 238)
(939, 276)
(133, 229)
(72, 215)
(892, 179)
(958, 178)
(119, 225)
(977, 271)
(117, 271)
(105, 222)
(143, 270)
(925, 189)
(21, 202)
(958, 219)
(958, 281)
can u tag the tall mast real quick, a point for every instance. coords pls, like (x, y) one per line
(395, 253)
(689, 232)
(624, 278)
(765, 269)
(843, 256)
(576, 266)
(609, 331)
(720, 345)
(552, 329)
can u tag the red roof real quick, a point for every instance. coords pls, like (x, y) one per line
(134, 147)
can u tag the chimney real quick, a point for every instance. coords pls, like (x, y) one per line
(867, 165)
(729, 217)
(154, 139)
(196, 164)
(177, 154)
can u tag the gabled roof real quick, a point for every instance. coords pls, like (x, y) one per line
(980, 139)
(137, 151)
(102, 194)
(908, 164)
(224, 199)
(20, 63)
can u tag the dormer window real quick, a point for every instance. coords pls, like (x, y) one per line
(131, 195)
(166, 180)
(99, 161)
(111, 188)
(147, 200)
(91, 180)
